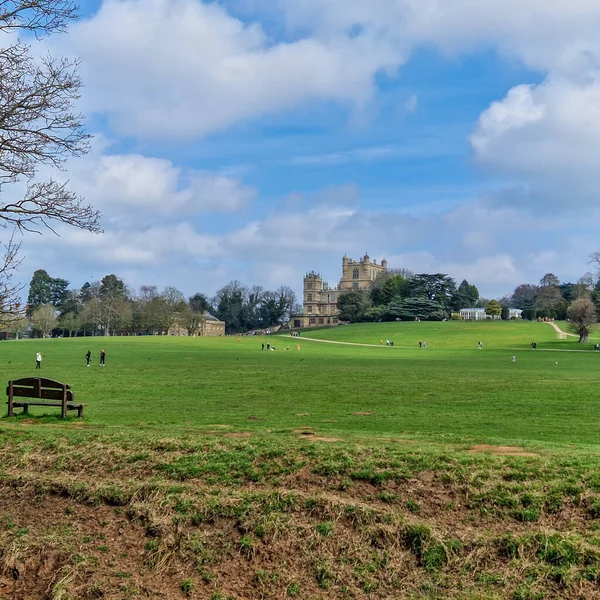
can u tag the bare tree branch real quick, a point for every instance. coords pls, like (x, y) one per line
(10, 302)
(38, 127)
(39, 16)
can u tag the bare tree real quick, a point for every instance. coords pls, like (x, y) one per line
(44, 319)
(582, 316)
(595, 260)
(37, 128)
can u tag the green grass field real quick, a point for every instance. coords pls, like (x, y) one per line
(190, 477)
(451, 389)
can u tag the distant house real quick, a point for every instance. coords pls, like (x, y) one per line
(473, 314)
(211, 326)
(208, 326)
(479, 314)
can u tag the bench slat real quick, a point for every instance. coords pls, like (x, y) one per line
(70, 406)
(25, 392)
(45, 383)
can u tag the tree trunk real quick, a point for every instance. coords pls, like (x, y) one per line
(583, 338)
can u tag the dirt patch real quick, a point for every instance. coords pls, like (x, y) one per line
(501, 450)
(303, 414)
(255, 419)
(318, 438)
(305, 431)
(30, 422)
(219, 426)
(362, 414)
(236, 434)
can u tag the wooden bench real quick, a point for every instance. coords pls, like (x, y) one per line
(43, 392)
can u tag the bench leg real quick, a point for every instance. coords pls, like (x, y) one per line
(26, 409)
(80, 412)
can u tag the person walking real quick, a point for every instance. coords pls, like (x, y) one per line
(38, 360)
(88, 357)
(514, 359)
(480, 345)
(102, 357)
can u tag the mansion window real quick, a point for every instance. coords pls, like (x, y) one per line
(355, 285)
(331, 297)
(309, 297)
(321, 321)
(309, 308)
(355, 274)
(312, 321)
(309, 286)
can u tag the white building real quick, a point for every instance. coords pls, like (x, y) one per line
(478, 314)
(473, 314)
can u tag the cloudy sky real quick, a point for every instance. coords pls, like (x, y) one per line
(260, 139)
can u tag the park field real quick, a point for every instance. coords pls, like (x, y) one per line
(213, 469)
(451, 389)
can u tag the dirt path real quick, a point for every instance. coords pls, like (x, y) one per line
(558, 329)
(353, 343)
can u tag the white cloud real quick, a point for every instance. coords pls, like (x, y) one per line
(540, 32)
(128, 186)
(184, 68)
(547, 135)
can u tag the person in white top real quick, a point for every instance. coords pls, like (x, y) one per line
(38, 360)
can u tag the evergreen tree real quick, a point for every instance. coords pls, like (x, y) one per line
(40, 291)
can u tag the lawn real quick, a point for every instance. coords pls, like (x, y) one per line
(452, 389)
(453, 334)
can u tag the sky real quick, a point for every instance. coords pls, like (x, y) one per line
(256, 140)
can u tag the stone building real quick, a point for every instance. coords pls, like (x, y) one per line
(209, 325)
(319, 303)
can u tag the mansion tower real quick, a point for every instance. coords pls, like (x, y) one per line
(320, 301)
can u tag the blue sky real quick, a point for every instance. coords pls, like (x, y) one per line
(257, 140)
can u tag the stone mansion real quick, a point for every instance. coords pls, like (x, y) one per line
(320, 301)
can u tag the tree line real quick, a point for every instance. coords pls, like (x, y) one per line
(400, 294)
(110, 307)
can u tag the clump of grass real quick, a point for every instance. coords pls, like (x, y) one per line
(417, 538)
(387, 497)
(247, 546)
(527, 515)
(293, 589)
(593, 508)
(323, 575)
(325, 528)
(113, 495)
(187, 586)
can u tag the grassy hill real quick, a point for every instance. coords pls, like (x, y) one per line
(459, 335)
(209, 468)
